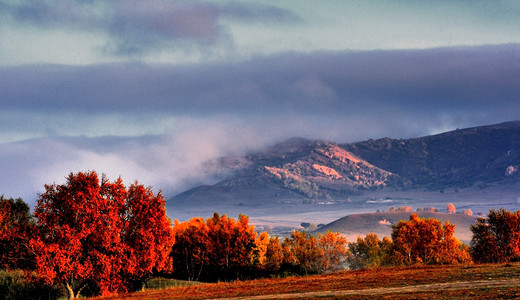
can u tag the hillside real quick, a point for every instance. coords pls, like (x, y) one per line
(310, 171)
(460, 158)
(380, 223)
(295, 170)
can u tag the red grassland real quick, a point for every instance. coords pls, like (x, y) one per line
(474, 281)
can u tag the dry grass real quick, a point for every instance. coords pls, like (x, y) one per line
(475, 281)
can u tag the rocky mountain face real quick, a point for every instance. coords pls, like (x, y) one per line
(316, 171)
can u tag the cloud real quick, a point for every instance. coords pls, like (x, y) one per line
(83, 15)
(138, 27)
(434, 81)
(171, 162)
(253, 12)
(159, 123)
(135, 28)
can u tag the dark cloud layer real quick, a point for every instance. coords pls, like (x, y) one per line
(481, 80)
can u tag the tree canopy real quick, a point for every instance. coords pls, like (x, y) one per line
(497, 237)
(97, 232)
(427, 241)
(16, 229)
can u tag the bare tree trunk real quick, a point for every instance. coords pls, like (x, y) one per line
(71, 292)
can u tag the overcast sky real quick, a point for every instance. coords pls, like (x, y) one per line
(149, 90)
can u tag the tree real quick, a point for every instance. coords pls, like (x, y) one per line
(92, 232)
(16, 228)
(369, 252)
(219, 248)
(231, 245)
(497, 238)
(305, 252)
(147, 232)
(334, 247)
(274, 256)
(189, 252)
(314, 254)
(426, 241)
(451, 208)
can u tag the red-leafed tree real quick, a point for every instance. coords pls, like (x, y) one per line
(497, 237)
(99, 233)
(16, 228)
(147, 232)
(189, 252)
(219, 248)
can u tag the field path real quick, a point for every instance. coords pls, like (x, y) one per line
(458, 285)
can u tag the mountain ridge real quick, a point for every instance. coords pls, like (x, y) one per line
(301, 170)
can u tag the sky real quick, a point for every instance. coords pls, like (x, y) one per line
(150, 90)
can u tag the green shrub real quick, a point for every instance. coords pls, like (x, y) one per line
(15, 285)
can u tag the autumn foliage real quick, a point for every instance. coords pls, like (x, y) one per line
(416, 241)
(98, 233)
(426, 241)
(16, 229)
(497, 237)
(215, 249)
(220, 248)
(94, 236)
(312, 254)
(369, 252)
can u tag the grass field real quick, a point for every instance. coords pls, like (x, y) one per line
(500, 281)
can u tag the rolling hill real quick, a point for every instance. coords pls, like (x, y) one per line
(380, 223)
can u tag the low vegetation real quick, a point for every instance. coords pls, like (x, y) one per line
(91, 236)
(487, 281)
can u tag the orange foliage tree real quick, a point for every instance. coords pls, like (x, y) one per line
(273, 256)
(100, 233)
(219, 248)
(334, 247)
(496, 238)
(302, 251)
(189, 252)
(314, 254)
(451, 208)
(16, 228)
(426, 241)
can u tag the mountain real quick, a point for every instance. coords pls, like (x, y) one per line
(312, 171)
(459, 158)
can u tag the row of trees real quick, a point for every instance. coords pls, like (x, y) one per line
(221, 248)
(496, 239)
(449, 209)
(416, 241)
(94, 236)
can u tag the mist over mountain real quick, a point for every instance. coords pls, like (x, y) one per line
(312, 171)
